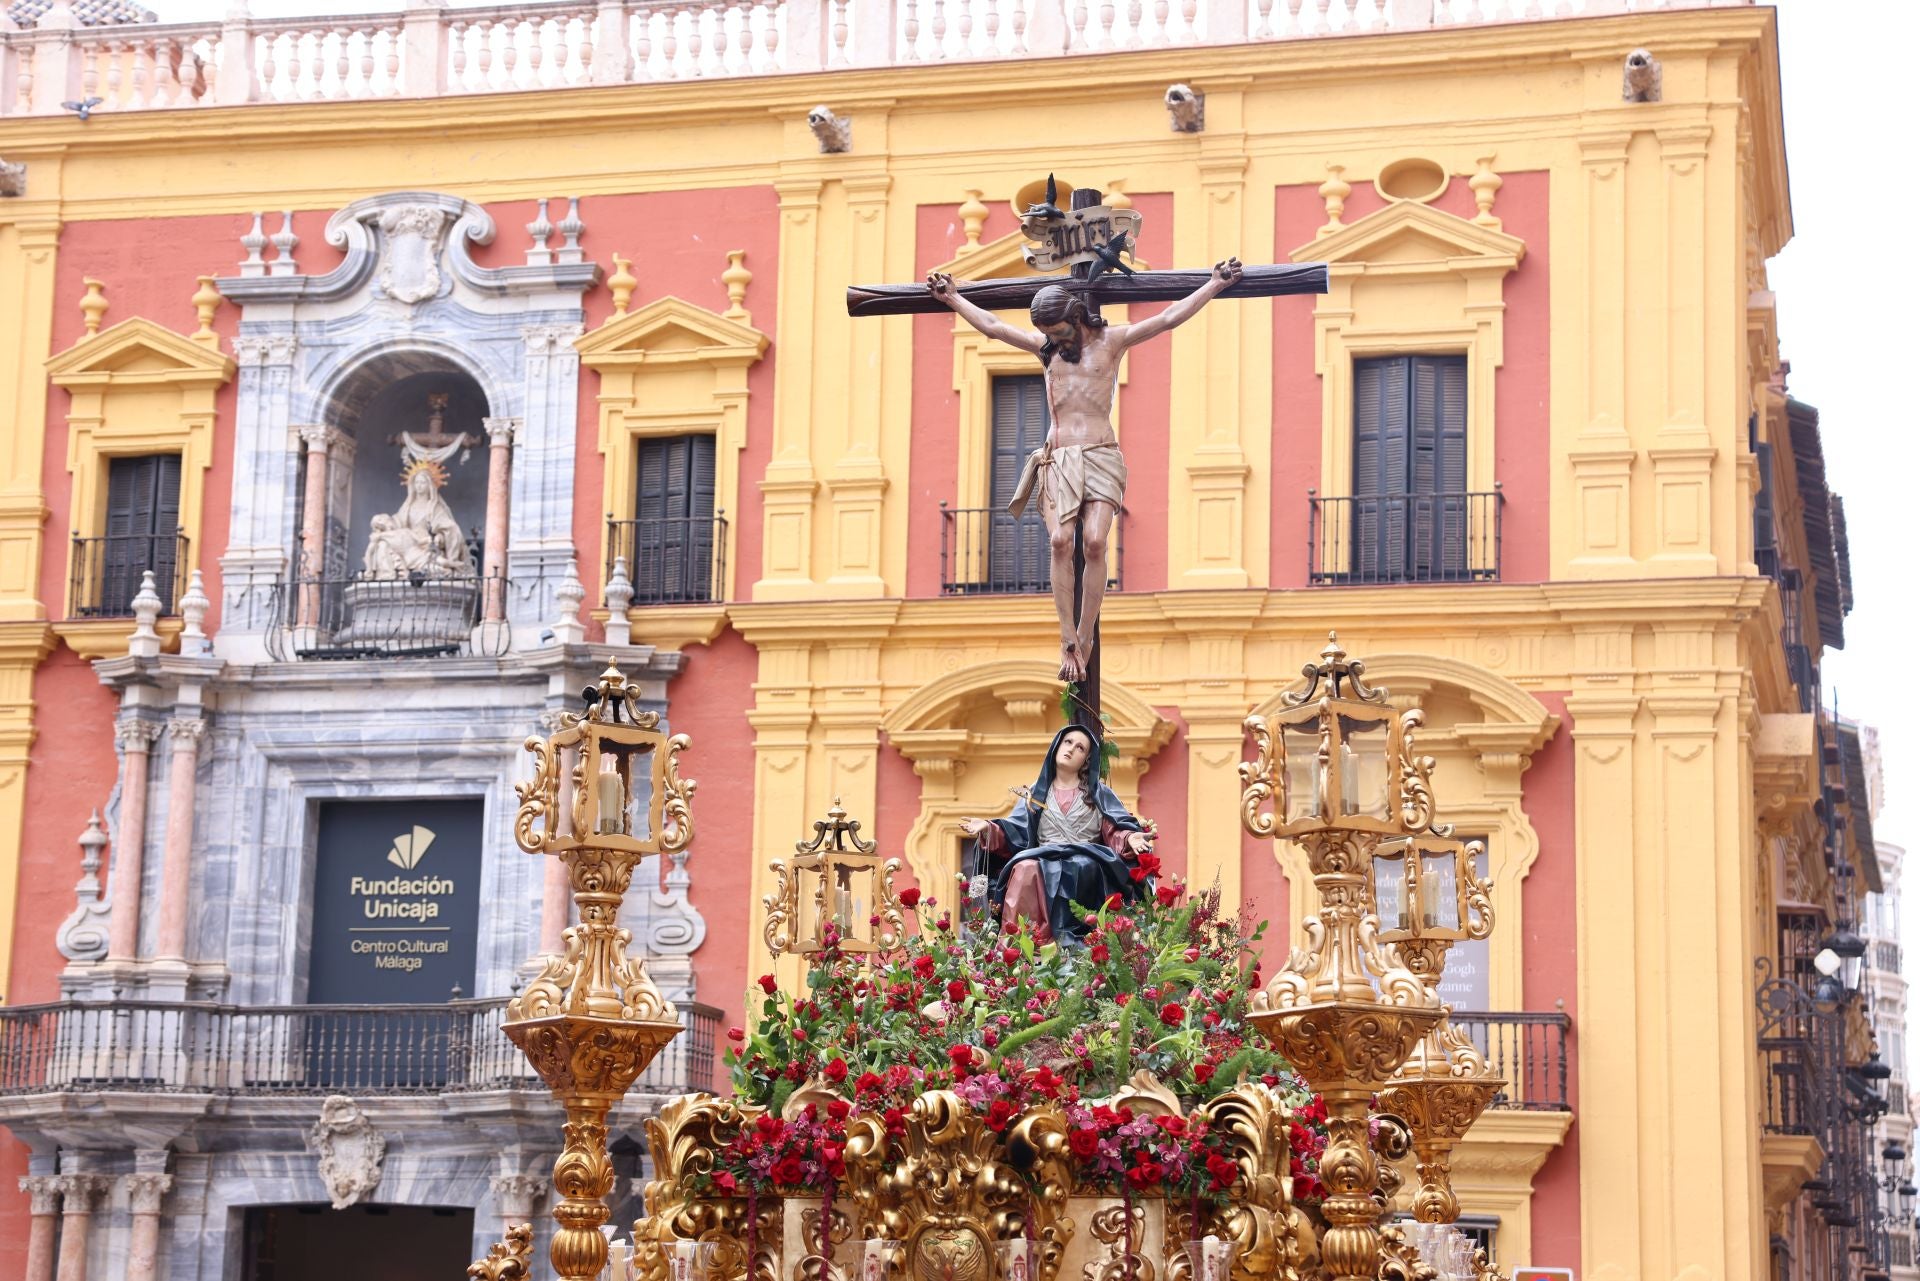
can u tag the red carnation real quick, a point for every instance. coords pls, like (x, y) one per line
(1172, 1013)
(923, 967)
(1099, 953)
(910, 897)
(1123, 998)
(836, 1071)
(1084, 1143)
(956, 990)
(868, 1081)
(769, 984)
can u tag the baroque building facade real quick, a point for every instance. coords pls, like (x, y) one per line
(379, 381)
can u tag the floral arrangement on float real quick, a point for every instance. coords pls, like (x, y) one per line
(959, 1102)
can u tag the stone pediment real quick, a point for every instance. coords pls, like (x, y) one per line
(140, 351)
(1409, 234)
(671, 330)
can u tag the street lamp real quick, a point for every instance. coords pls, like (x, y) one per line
(835, 879)
(1335, 773)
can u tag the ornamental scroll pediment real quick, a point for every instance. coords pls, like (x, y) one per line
(350, 1150)
(411, 239)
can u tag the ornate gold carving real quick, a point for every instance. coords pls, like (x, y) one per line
(1120, 1227)
(508, 1259)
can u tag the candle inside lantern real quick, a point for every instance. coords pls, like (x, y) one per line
(610, 798)
(1429, 900)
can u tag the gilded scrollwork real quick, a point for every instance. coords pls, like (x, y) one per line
(1121, 1229)
(533, 821)
(1416, 779)
(778, 932)
(677, 813)
(892, 913)
(508, 1259)
(1257, 793)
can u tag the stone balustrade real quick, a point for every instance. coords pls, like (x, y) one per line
(426, 50)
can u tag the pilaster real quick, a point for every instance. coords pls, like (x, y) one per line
(1682, 449)
(789, 485)
(28, 251)
(23, 647)
(858, 482)
(1596, 489)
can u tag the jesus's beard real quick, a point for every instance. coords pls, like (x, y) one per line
(1067, 351)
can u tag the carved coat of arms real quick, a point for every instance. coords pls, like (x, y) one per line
(350, 1151)
(410, 257)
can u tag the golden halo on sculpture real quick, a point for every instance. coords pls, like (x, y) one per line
(428, 466)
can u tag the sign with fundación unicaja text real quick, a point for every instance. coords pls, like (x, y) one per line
(396, 902)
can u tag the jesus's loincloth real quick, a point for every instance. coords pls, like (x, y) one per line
(1073, 475)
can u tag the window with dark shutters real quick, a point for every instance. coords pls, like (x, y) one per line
(142, 533)
(1410, 507)
(673, 524)
(1017, 556)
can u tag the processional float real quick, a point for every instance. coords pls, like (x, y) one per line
(988, 1177)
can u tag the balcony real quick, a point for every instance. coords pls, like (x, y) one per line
(985, 551)
(1404, 538)
(345, 619)
(1529, 1052)
(430, 52)
(675, 561)
(1886, 957)
(381, 1050)
(104, 573)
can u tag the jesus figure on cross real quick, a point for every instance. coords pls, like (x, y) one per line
(1078, 471)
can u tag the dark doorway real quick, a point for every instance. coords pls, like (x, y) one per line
(365, 1242)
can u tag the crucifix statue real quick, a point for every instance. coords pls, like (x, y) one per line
(1078, 473)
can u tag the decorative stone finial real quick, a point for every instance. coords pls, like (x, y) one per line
(572, 229)
(83, 935)
(253, 242)
(1116, 197)
(619, 596)
(539, 230)
(206, 301)
(736, 278)
(1485, 184)
(93, 305)
(973, 215)
(568, 597)
(623, 282)
(193, 614)
(283, 243)
(1334, 191)
(145, 641)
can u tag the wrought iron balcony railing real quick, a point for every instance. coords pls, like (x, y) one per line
(676, 561)
(1528, 1050)
(1886, 956)
(983, 551)
(298, 1049)
(334, 619)
(104, 575)
(1404, 538)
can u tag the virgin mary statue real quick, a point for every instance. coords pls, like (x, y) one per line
(1067, 847)
(422, 538)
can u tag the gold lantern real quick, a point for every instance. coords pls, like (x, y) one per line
(1424, 889)
(606, 791)
(834, 878)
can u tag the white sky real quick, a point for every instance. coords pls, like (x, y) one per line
(1846, 67)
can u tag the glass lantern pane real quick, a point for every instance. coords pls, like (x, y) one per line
(1300, 745)
(850, 888)
(1364, 775)
(1390, 889)
(1439, 890)
(609, 797)
(814, 904)
(640, 793)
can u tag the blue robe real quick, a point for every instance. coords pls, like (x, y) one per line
(1077, 876)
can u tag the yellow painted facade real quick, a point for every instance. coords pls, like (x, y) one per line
(1652, 634)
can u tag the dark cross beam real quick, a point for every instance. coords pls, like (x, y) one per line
(1141, 286)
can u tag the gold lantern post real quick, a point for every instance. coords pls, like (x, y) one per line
(1428, 896)
(1335, 772)
(606, 792)
(835, 879)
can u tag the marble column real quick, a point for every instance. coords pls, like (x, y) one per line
(177, 855)
(79, 1197)
(313, 522)
(43, 1203)
(129, 839)
(144, 1194)
(499, 486)
(514, 1194)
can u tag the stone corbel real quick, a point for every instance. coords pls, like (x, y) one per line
(13, 179)
(1786, 767)
(1504, 751)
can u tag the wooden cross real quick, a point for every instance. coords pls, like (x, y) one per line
(1089, 239)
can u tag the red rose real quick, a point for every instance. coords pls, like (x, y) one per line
(768, 984)
(868, 1081)
(799, 1034)
(725, 1182)
(1084, 1143)
(1202, 1073)
(1000, 1114)
(1113, 902)
(736, 1034)
(836, 1071)
(1168, 895)
(1172, 1013)
(839, 1109)
(1011, 955)
(1150, 864)
(788, 1170)
(1222, 1171)
(910, 897)
(1099, 953)
(962, 1058)
(923, 967)
(956, 990)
